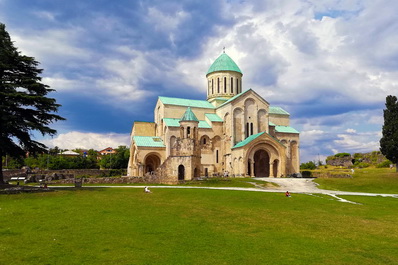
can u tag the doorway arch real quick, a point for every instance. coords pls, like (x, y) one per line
(196, 173)
(261, 164)
(152, 162)
(181, 172)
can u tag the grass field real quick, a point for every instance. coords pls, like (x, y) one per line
(377, 180)
(191, 226)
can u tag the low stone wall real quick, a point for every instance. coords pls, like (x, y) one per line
(50, 175)
(111, 180)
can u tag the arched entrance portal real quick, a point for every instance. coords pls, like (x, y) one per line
(152, 162)
(181, 172)
(261, 164)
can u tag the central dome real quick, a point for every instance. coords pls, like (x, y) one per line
(223, 63)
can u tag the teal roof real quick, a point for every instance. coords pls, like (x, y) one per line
(148, 141)
(278, 110)
(189, 115)
(271, 123)
(234, 97)
(213, 117)
(204, 125)
(248, 140)
(285, 129)
(170, 122)
(224, 63)
(187, 102)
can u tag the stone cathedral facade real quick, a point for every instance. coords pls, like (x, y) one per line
(234, 132)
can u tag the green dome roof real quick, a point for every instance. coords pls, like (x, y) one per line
(189, 115)
(224, 63)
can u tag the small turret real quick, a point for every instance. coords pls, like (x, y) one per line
(189, 125)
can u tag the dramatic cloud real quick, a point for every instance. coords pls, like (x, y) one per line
(329, 63)
(82, 140)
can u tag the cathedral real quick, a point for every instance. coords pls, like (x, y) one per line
(234, 133)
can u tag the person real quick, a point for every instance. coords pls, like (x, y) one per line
(146, 190)
(287, 194)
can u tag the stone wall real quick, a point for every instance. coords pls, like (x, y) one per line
(36, 175)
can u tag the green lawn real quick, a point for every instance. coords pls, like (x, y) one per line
(192, 226)
(378, 180)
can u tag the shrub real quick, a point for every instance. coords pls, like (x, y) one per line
(306, 174)
(342, 155)
(385, 163)
(362, 165)
(309, 165)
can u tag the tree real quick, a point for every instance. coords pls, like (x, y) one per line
(24, 106)
(116, 161)
(389, 141)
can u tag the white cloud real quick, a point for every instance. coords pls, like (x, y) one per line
(358, 143)
(53, 47)
(350, 130)
(97, 141)
(45, 15)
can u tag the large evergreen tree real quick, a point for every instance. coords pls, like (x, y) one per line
(24, 106)
(389, 141)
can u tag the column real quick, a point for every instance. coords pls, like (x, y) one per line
(252, 169)
(271, 170)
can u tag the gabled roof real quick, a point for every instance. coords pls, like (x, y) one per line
(148, 141)
(278, 110)
(285, 129)
(252, 138)
(189, 115)
(248, 140)
(241, 94)
(224, 63)
(213, 117)
(187, 102)
(171, 122)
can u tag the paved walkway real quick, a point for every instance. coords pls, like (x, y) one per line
(293, 185)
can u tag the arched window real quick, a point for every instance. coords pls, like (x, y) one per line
(237, 85)
(247, 129)
(232, 85)
(188, 131)
(217, 156)
(251, 128)
(225, 85)
(218, 85)
(204, 140)
(212, 86)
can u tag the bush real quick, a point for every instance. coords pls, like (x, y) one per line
(385, 163)
(309, 165)
(362, 165)
(306, 174)
(342, 155)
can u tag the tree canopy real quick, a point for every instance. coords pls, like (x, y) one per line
(389, 141)
(24, 105)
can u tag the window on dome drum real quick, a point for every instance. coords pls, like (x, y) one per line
(188, 131)
(217, 156)
(218, 85)
(225, 85)
(237, 86)
(251, 128)
(247, 129)
(212, 86)
(232, 85)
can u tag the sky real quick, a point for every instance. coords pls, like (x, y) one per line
(329, 63)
